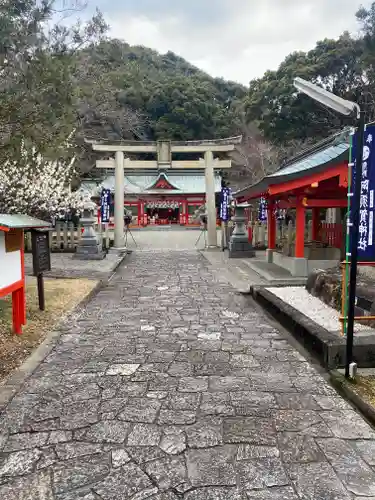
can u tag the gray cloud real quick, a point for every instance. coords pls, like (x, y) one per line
(236, 39)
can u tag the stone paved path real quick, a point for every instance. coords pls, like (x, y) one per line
(170, 386)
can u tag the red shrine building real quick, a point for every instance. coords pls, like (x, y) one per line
(165, 182)
(164, 197)
(315, 180)
(156, 197)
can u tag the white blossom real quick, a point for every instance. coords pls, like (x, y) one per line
(37, 187)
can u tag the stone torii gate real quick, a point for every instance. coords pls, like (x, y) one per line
(164, 161)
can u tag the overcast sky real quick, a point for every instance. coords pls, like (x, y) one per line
(236, 39)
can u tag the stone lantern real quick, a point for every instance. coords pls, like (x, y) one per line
(239, 245)
(89, 246)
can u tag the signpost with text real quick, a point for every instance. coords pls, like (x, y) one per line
(366, 240)
(105, 203)
(41, 261)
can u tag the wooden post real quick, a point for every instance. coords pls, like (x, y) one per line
(58, 235)
(71, 240)
(315, 224)
(262, 235)
(310, 231)
(107, 239)
(41, 262)
(17, 314)
(289, 237)
(300, 230)
(271, 224)
(40, 281)
(255, 234)
(65, 235)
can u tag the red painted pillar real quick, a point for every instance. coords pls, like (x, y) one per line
(22, 294)
(315, 224)
(300, 230)
(139, 213)
(17, 311)
(185, 212)
(271, 224)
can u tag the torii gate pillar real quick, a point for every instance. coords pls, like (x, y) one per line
(119, 202)
(210, 199)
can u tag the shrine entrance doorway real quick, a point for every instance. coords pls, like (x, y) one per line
(163, 216)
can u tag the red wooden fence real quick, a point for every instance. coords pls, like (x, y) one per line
(331, 234)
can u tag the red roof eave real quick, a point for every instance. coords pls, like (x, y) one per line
(285, 187)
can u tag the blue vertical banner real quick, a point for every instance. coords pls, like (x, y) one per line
(366, 243)
(262, 216)
(224, 204)
(105, 203)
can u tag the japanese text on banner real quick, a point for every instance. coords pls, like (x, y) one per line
(262, 210)
(105, 205)
(224, 205)
(366, 249)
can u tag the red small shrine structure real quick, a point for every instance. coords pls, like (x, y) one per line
(12, 262)
(313, 180)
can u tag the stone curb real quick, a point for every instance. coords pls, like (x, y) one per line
(13, 383)
(324, 345)
(341, 385)
(317, 340)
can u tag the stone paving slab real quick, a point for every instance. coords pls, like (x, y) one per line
(63, 265)
(170, 385)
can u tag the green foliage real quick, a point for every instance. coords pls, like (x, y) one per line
(283, 114)
(37, 92)
(171, 98)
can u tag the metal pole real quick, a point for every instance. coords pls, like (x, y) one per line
(354, 245)
(40, 283)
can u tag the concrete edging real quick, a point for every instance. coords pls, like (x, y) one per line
(326, 346)
(341, 385)
(13, 383)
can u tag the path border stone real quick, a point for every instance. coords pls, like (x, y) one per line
(326, 346)
(343, 387)
(15, 380)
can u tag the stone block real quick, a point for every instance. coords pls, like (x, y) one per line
(300, 267)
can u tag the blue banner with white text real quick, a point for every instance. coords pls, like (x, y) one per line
(105, 203)
(366, 237)
(262, 216)
(224, 204)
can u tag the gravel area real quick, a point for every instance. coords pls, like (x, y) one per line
(325, 316)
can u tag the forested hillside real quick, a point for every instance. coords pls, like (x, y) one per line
(159, 96)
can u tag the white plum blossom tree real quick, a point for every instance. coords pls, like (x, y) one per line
(38, 187)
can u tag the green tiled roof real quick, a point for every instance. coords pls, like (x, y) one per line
(319, 158)
(20, 221)
(317, 161)
(193, 183)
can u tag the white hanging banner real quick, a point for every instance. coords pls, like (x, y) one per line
(163, 204)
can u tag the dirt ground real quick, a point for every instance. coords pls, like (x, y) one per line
(61, 296)
(365, 388)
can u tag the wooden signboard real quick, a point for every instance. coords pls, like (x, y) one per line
(41, 261)
(13, 240)
(41, 252)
